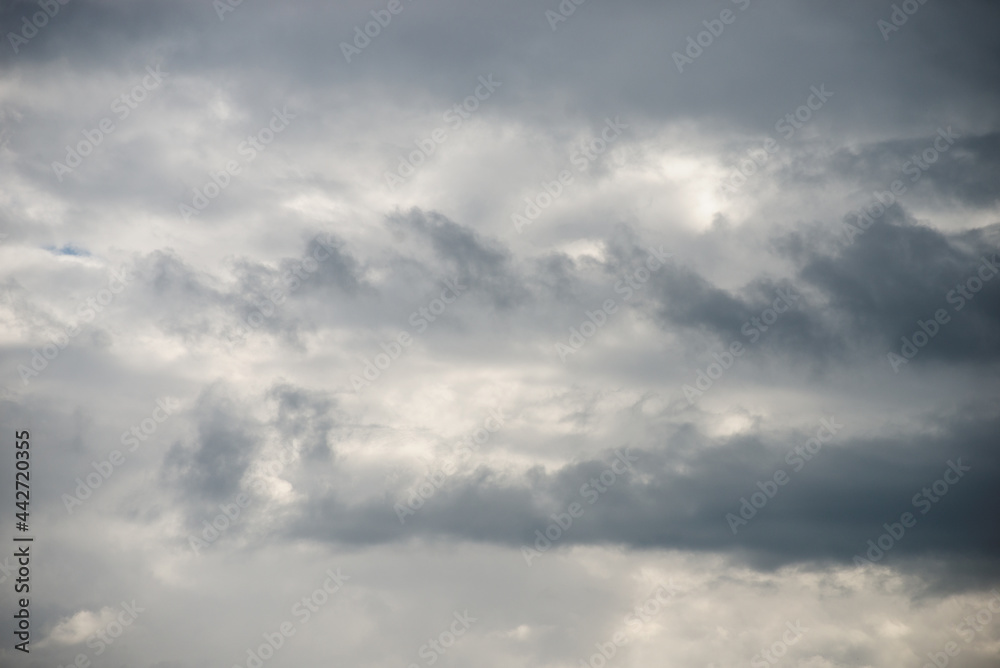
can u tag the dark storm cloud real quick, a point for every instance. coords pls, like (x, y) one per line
(857, 297)
(895, 275)
(828, 510)
(681, 298)
(966, 172)
(442, 48)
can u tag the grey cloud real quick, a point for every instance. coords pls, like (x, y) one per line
(895, 275)
(288, 386)
(812, 520)
(485, 265)
(210, 468)
(305, 416)
(965, 172)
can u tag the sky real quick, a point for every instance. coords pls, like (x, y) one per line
(398, 333)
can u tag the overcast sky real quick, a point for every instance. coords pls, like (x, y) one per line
(502, 334)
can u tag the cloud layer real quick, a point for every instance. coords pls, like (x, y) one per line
(399, 333)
